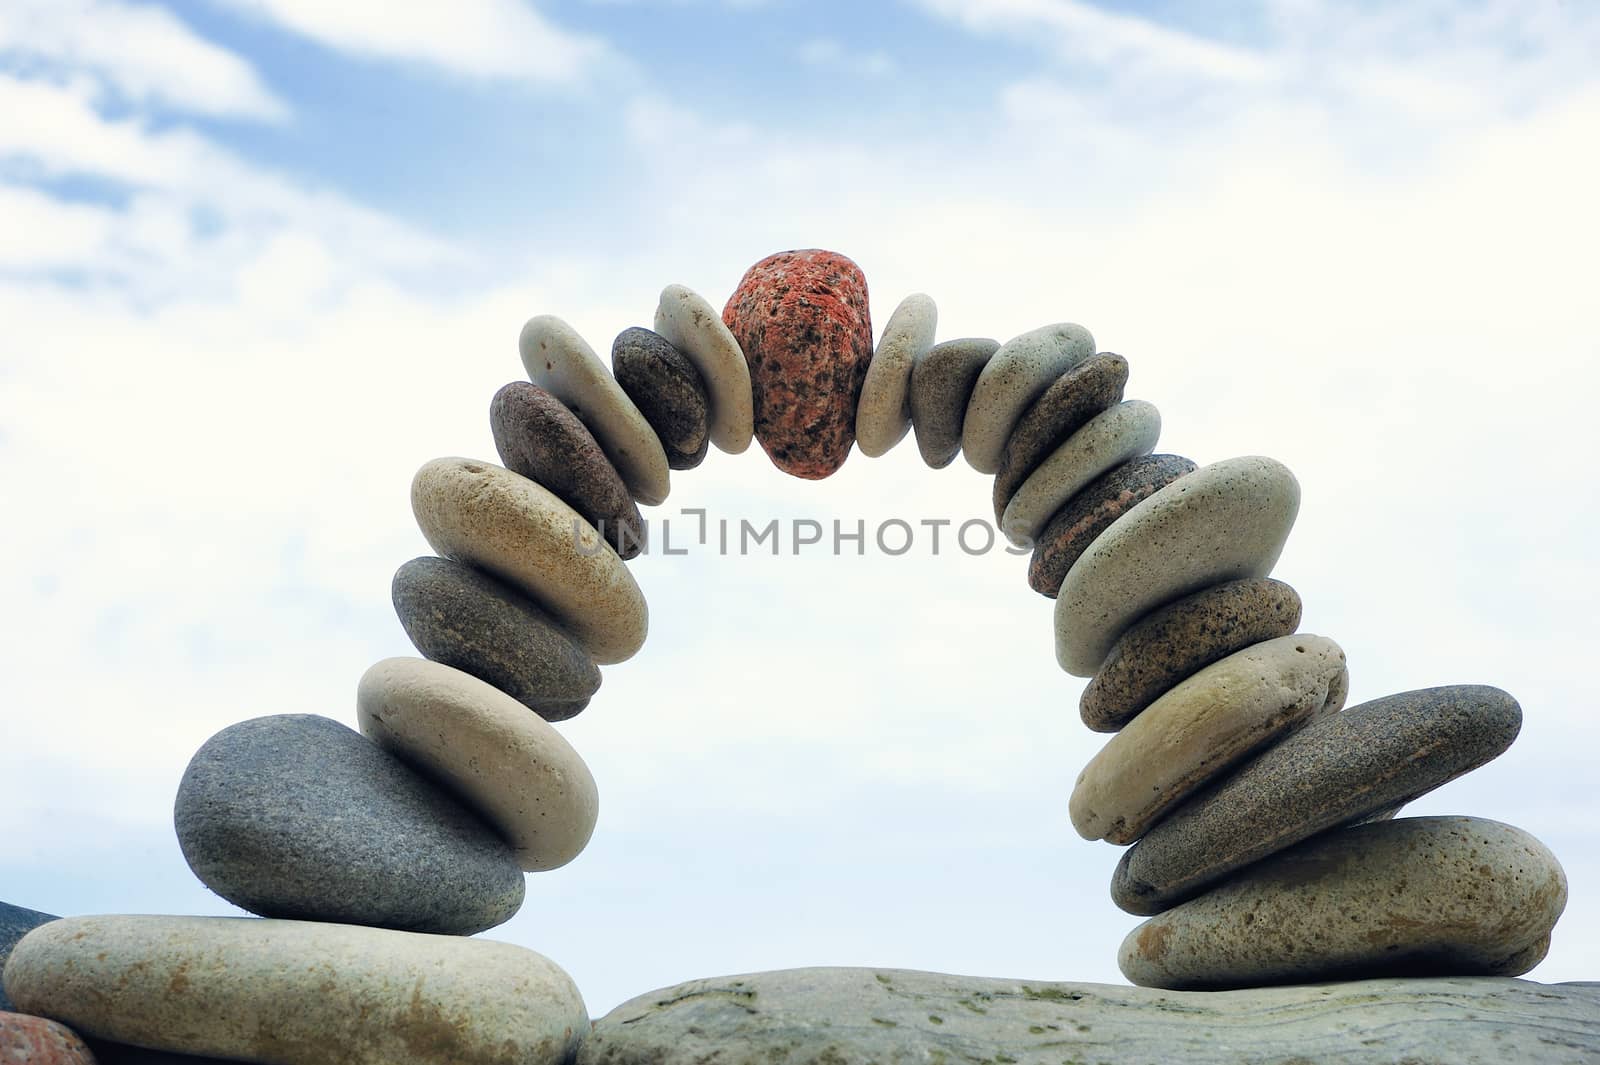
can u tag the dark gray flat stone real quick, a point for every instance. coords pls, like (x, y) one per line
(896, 1017)
(668, 391)
(1071, 402)
(941, 384)
(298, 816)
(1175, 642)
(1341, 768)
(463, 618)
(16, 922)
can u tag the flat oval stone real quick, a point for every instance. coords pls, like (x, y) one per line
(511, 767)
(466, 619)
(297, 816)
(29, 1040)
(1173, 642)
(1416, 896)
(802, 319)
(690, 324)
(1092, 386)
(1224, 522)
(1013, 378)
(883, 417)
(562, 363)
(1092, 511)
(1372, 758)
(486, 516)
(1202, 727)
(298, 992)
(539, 438)
(668, 391)
(16, 922)
(1110, 439)
(941, 386)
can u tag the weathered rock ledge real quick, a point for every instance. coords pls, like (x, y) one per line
(886, 1016)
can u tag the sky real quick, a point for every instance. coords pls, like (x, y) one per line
(261, 259)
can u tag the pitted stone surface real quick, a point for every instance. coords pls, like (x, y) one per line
(1092, 386)
(26, 1040)
(668, 391)
(941, 386)
(1012, 379)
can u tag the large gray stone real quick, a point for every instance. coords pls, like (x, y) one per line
(298, 816)
(892, 1016)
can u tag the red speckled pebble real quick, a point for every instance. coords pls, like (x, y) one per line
(801, 318)
(26, 1040)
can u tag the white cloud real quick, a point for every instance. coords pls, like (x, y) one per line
(142, 52)
(829, 54)
(488, 39)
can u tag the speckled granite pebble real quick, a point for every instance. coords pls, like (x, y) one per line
(1371, 758)
(16, 922)
(487, 516)
(1011, 380)
(562, 363)
(941, 386)
(1091, 512)
(883, 417)
(1110, 438)
(514, 770)
(27, 1040)
(1173, 642)
(802, 320)
(691, 325)
(1092, 386)
(668, 391)
(299, 993)
(1223, 522)
(297, 816)
(1201, 728)
(539, 438)
(1416, 896)
(463, 618)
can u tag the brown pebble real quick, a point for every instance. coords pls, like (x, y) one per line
(1092, 386)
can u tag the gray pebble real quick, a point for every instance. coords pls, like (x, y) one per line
(941, 385)
(668, 391)
(1092, 386)
(16, 922)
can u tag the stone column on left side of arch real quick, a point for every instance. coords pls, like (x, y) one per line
(562, 363)
(883, 417)
(1011, 380)
(1223, 522)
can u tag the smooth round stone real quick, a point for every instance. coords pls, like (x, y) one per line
(299, 993)
(941, 386)
(668, 391)
(28, 1040)
(486, 516)
(1092, 511)
(1224, 522)
(1013, 378)
(802, 320)
(16, 922)
(692, 326)
(1416, 896)
(298, 816)
(1371, 759)
(466, 619)
(883, 417)
(1111, 438)
(562, 363)
(539, 438)
(1172, 643)
(511, 767)
(1087, 389)
(1202, 727)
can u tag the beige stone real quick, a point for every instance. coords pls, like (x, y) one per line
(298, 992)
(1416, 896)
(509, 765)
(1202, 727)
(1109, 439)
(562, 363)
(1013, 378)
(486, 516)
(1223, 522)
(687, 322)
(883, 414)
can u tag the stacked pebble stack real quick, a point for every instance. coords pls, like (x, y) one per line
(1258, 808)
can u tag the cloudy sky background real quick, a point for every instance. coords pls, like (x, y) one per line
(260, 259)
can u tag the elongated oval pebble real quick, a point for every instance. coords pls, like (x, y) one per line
(298, 992)
(883, 416)
(941, 386)
(562, 363)
(1201, 727)
(1092, 386)
(668, 391)
(690, 324)
(1012, 379)
(1416, 896)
